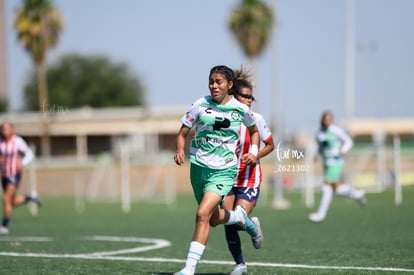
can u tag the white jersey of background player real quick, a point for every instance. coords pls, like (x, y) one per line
(11, 149)
(333, 143)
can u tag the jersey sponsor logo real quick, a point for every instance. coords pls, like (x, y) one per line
(217, 141)
(228, 160)
(221, 122)
(209, 110)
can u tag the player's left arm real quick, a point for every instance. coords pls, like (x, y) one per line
(25, 151)
(265, 136)
(267, 149)
(346, 140)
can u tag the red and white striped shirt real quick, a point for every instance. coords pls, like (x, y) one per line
(10, 153)
(251, 175)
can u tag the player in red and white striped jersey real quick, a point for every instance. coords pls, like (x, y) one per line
(246, 189)
(14, 154)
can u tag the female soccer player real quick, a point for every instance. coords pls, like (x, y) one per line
(11, 148)
(246, 189)
(217, 119)
(333, 143)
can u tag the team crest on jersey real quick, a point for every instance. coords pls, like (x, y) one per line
(235, 115)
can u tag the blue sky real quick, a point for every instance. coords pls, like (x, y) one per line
(171, 45)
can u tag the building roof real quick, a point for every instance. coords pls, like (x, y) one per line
(388, 126)
(89, 121)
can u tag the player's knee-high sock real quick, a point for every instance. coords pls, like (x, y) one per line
(348, 191)
(193, 256)
(234, 243)
(326, 199)
(233, 218)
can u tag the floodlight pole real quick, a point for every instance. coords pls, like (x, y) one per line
(125, 181)
(279, 202)
(397, 170)
(350, 60)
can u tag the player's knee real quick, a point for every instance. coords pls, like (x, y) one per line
(202, 216)
(7, 199)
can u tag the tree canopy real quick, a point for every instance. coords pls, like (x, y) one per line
(75, 80)
(251, 23)
(38, 25)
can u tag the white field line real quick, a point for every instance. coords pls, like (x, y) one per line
(143, 259)
(163, 243)
(26, 239)
(157, 244)
(154, 243)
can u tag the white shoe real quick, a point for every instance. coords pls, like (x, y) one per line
(363, 200)
(239, 269)
(4, 230)
(316, 217)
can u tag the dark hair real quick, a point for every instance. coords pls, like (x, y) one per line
(241, 80)
(325, 114)
(4, 123)
(224, 70)
(239, 77)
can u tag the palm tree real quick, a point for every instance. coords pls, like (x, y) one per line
(38, 25)
(251, 24)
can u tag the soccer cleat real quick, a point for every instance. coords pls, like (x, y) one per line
(246, 223)
(4, 230)
(363, 200)
(37, 201)
(258, 240)
(239, 269)
(316, 217)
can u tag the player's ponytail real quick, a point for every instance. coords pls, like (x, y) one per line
(242, 79)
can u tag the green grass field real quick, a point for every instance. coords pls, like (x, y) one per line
(353, 240)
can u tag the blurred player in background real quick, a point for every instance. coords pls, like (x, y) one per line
(333, 144)
(246, 189)
(217, 119)
(14, 154)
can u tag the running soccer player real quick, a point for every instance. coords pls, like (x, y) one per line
(11, 148)
(333, 144)
(246, 189)
(217, 119)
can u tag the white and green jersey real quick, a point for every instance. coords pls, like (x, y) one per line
(330, 143)
(217, 130)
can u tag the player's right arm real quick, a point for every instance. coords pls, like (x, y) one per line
(179, 154)
(319, 152)
(188, 121)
